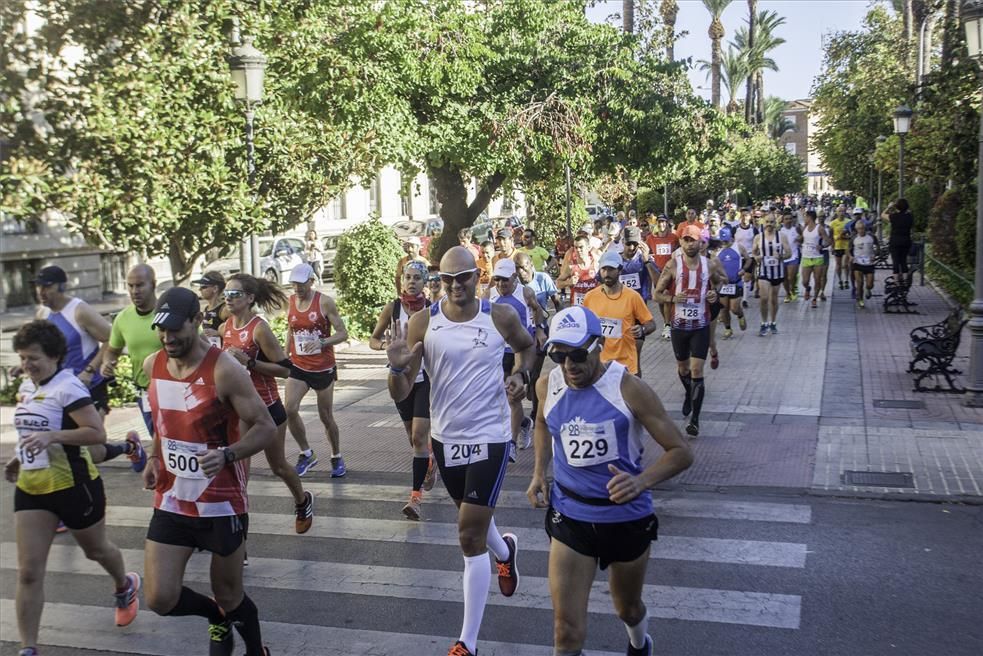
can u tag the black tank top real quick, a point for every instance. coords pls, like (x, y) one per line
(213, 318)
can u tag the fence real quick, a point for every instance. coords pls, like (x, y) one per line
(956, 283)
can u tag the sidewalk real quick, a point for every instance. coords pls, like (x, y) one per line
(793, 411)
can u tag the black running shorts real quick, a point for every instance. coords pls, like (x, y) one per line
(775, 282)
(478, 478)
(77, 507)
(863, 268)
(277, 412)
(417, 404)
(316, 380)
(219, 535)
(508, 363)
(838, 252)
(620, 542)
(100, 396)
(688, 344)
(899, 257)
(715, 309)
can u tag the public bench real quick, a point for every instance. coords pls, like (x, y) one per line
(932, 350)
(896, 294)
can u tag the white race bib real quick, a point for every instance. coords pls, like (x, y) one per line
(578, 299)
(728, 290)
(456, 455)
(589, 444)
(688, 311)
(215, 340)
(808, 250)
(632, 281)
(32, 460)
(770, 261)
(663, 249)
(610, 327)
(863, 260)
(307, 344)
(181, 458)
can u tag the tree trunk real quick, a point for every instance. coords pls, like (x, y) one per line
(926, 58)
(628, 15)
(452, 192)
(752, 6)
(181, 264)
(908, 20)
(715, 74)
(669, 10)
(759, 79)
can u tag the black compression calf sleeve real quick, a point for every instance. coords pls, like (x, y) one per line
(246, 620)
(686, 380)
(420, 465)
(699, 390)
(195, 603)
(115, 450)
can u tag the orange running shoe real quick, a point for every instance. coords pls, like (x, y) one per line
(460, 649)
(127, 601)
(508, 573)
(305, 514)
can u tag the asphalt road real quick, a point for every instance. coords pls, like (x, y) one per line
(732, 574)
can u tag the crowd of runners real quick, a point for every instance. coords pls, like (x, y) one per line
(466, 340)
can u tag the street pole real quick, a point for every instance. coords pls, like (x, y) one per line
(251, 177)
(880, 192)
(569, 224)
(665, 200)
(901, 166)
(974, 388)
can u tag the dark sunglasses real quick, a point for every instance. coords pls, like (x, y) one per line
(578, 356)
(497, 279)
(433, 278)
(233, 293)
(461, 277)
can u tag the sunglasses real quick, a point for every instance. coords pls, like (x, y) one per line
(433, 278)
(579, 355)
(461, 277)
(497, 279)
(233, 293)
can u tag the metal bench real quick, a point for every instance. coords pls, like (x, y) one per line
(934, 347)
(896, 295)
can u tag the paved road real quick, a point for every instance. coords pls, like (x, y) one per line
(731, 574)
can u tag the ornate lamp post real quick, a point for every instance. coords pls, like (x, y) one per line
(902, 123)
(247, 66)
(972, 18)
(880, 190)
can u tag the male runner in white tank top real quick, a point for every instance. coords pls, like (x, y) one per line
(461, 341)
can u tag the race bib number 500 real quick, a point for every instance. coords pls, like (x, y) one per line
(456, 455)
(587, 444)
(181, 458)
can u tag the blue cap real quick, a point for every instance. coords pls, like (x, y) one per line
(724, 234)
(574, 326)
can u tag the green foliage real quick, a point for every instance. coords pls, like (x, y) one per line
(957, 283)
(124, 391)
(966, 235)
(547, 202)
(8, 393)
(279, 327)
(942, 226)
(920, 199)
(649, 200)
(365, 269)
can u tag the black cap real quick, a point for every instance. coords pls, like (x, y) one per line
(210, 278)
(504, 233)
(633, 235)
(175, 307)
(50, 275)
(663, 217)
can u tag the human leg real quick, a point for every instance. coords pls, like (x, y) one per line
(226, 580)
(625, 580)
(325, 410)
(294, 391)
(34, 530)
(570, 577)
(96, 546)
(276, 457)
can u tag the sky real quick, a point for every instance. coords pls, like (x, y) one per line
(799, 58)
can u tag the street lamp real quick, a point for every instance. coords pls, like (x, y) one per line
(880, 190)
(902, 123)
(757, 172)
(247, 66)
(972, 18)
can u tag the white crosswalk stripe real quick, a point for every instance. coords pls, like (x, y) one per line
(90, 626)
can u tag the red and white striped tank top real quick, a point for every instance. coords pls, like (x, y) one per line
(584, 278)
(695, 283)
(306, 329)
(190, 419)
(244, 340)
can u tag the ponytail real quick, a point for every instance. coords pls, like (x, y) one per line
(266, 294)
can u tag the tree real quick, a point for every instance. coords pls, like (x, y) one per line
(716, 34)
(733, 73)
(775, 123)
(756, 55)
(752, 13)
(669, 10)
(144, 149)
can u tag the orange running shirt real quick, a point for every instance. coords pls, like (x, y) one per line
(618, 315)
(306, 328)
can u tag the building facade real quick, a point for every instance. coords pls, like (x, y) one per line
(799, 142)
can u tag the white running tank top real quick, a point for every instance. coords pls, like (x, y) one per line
(791, 235)
(863, 250)
(744, 237)
(810, 242)
(467, 390)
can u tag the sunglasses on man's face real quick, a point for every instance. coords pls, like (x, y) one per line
(233, 293)
(461, 277)
(578, 356)
(499, 279)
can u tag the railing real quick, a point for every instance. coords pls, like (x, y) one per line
(955, 282)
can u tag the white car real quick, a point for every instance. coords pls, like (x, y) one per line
(278, 256)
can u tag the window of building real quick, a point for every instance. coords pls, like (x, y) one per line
(405, 197)
(337, 207)
(10, 226)
(16, 282)
(790, 147)
(375, 204)
(434, 203)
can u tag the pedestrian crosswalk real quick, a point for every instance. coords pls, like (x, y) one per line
(360, 555)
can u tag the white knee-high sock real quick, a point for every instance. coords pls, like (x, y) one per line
(477, 579)
(495, 542)
(636, 634)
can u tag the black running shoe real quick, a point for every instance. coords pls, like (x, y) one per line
(220, 640)
(693, 428)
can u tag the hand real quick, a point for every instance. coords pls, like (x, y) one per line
(212, 462)
(680, 298)
(623, 487)
(35, 443)
(712, 296)
(85, 377)
(636, 331)
(108, 369)
(210, 332)
(540, 339)
(398, 351)
(538, 492)
(12, 470)
(515, 387)
(150, 472)
(239, 355)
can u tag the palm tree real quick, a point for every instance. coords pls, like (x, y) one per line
(669, 9)
(752, 12)
(716, 34)
(733, 73)
(628, 15)
(755, 45)
(775, 123)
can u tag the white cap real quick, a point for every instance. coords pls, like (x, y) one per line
(610, 259)
(857, 210)
(413, 240)
(504, 268)
(614, 229)
(587, 228)
(302, 273)
(574, 326)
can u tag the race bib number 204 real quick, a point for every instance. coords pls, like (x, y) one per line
(456, 455)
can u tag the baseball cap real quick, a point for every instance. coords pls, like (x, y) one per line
(504, 268)
(210, 278)
(614, 229)
(724, 234)
(304, 272)
(633, 236)
(663, 217)
(610, 259)
(857, 210)
(413, 240)
(174, 308)
(586, 228)
(503, 233)
(692, 232)
(574, 326)
(50, 275)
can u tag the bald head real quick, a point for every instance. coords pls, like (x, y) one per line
(144, 271)
(140, 285)
(457, 258)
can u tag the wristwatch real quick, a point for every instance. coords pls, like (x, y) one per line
(230, 455)
(250, 363)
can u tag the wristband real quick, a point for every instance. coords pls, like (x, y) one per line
(525, 377)
(396, 371)
(89, 370)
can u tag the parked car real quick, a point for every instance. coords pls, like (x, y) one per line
(278, 256)
(425, 230)
(330, 246)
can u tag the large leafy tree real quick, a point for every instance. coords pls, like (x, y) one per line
(142, 146)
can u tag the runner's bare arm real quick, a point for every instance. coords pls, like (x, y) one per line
(234, 387)
(517, 337)
(405, 352)
(664, 279)
(377, 339)
(89, 430)
(93, 323)
(270, 347)
(647, 408)
(330, 310)
(539, 315)
(539, 490)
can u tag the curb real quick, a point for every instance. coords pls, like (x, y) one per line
(963, 499)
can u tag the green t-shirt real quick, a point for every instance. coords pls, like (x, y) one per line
(538, 255)
(133, 331)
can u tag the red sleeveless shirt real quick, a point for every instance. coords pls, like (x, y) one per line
(244, 340)
(190, 419)
(306, 328)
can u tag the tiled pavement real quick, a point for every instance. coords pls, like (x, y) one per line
(794, 410)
